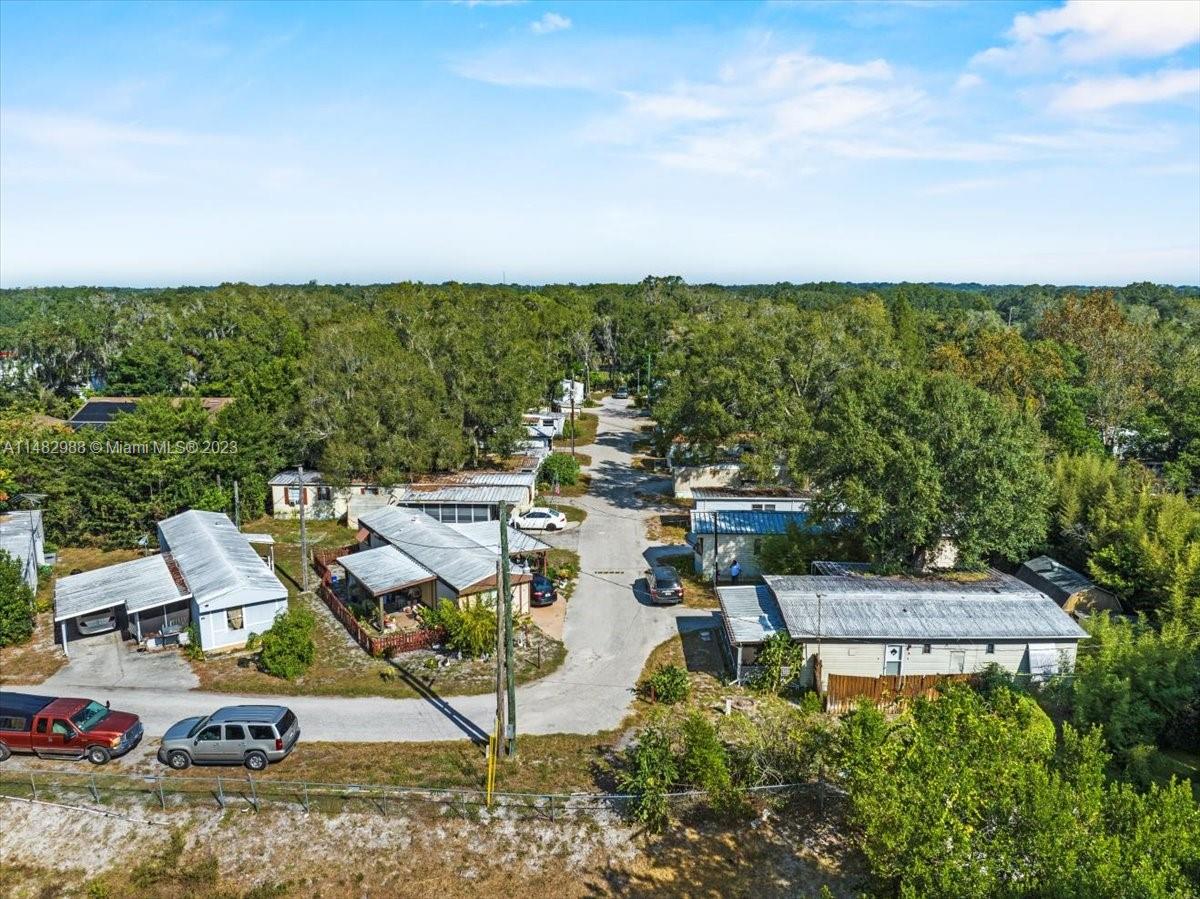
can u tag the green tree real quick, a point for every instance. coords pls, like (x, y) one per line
(559, 468)
(16, 602)
(915, 459)
(650, 772)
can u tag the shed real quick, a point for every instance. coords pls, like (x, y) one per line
(1074, 593)
(751, 616)
(23, 536)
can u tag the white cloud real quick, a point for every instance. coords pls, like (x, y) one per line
(1089, 31)
(550, 23)
(81, 134)
(967, 81)
(1091, 94)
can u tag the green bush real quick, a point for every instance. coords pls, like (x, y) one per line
(16, 603)
(471, 631)
(651, 772)
(668, 684)
(194, 650)
(782, 660)
(288, 648)
(705, 765)
(560, 467)
(253, 641)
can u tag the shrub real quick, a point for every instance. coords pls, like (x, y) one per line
(668, 684)
(16, 603)
(562, 468)
(650, 774)
(782, 660)
(288, 648)
(471, 631)
(705, 765)
(194, 650)
(253, 641)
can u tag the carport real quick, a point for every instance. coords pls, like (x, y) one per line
(139, 587)
(383, 573)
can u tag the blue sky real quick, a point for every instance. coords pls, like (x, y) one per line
(151, 144)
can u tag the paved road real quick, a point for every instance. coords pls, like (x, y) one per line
(609, 632)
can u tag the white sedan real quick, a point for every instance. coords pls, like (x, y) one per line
(540, 518)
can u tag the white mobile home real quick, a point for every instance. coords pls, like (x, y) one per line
(869, 626)
(23, 536)
(748, 499)
(234, 593)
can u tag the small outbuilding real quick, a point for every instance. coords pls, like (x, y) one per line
(1074, 593)
(23, 536)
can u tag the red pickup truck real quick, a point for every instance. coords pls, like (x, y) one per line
(64, 728)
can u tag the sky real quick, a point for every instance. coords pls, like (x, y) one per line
(195, 143)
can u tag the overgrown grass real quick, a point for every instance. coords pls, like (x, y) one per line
(698, 592)
(586, 424)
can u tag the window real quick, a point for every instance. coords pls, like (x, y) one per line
(756, 507)
(927, 649)
(324, 494)
(234, 618)
(41, 725)
(293, 496)
(61, 728)
(261, 732)
(235, 732)
(12, 722)
(893, 655)
(210, 734)
(990, 649)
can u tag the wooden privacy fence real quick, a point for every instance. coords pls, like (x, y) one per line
(376, 646)
(844, 690)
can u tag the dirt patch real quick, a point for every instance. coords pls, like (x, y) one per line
(34, 660)
(670, 528)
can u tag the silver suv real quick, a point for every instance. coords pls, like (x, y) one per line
(250, 735)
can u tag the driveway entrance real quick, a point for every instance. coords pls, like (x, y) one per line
(107, 661)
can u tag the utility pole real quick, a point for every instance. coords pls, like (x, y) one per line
(716, 547)
(572, 416)
(303, 532)
(510, 668)
(501, 680)
(237, 507)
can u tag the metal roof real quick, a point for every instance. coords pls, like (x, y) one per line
(751, 613)
(21, 536)
(737, 522)
(1053, 578)
(749, 493)
(455, 559)
(217, 561)
(138, 584)
(917, 609)
(289, 478)
(384, 569)
(487, 535)
(462, 493)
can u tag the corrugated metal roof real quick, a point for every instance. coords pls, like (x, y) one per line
(289, 478)
(139, 584)
(217, 561)
(464, 493)
(455, 559)
(749, 494)
(1053, 578)
(751, 613)
(857, 607)
(742, 523)
(384, 569)
(487, 535)
(22, 537)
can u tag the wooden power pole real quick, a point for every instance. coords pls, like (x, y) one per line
(303, 531)
(510, 668)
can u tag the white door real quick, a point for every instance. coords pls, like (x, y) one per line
(893, 655)
(958, 662)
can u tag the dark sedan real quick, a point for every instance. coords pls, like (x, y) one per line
(543, 592)
(665, 585)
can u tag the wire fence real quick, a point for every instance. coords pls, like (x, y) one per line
(243, 791)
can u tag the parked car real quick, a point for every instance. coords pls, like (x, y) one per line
(250, 735)
(543, 592)
(665, 586)
(50, 727)
(540, 518)
(98, 622)
(621, 393)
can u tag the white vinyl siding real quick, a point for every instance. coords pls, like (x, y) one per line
(215, 632)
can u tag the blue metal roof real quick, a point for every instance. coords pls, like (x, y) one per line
(743, 523)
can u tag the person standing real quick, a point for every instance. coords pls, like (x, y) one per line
(735, 571)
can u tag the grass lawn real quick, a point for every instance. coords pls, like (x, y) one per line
(39, 657)
(573, 513)
(666, 528)
(585, 431)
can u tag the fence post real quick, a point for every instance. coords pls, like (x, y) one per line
(95, 794)
(162, 800)
(33, 785)
(306, 809)
(253, 793)
(220, 792)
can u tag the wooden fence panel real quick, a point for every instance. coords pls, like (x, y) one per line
(845, 690)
